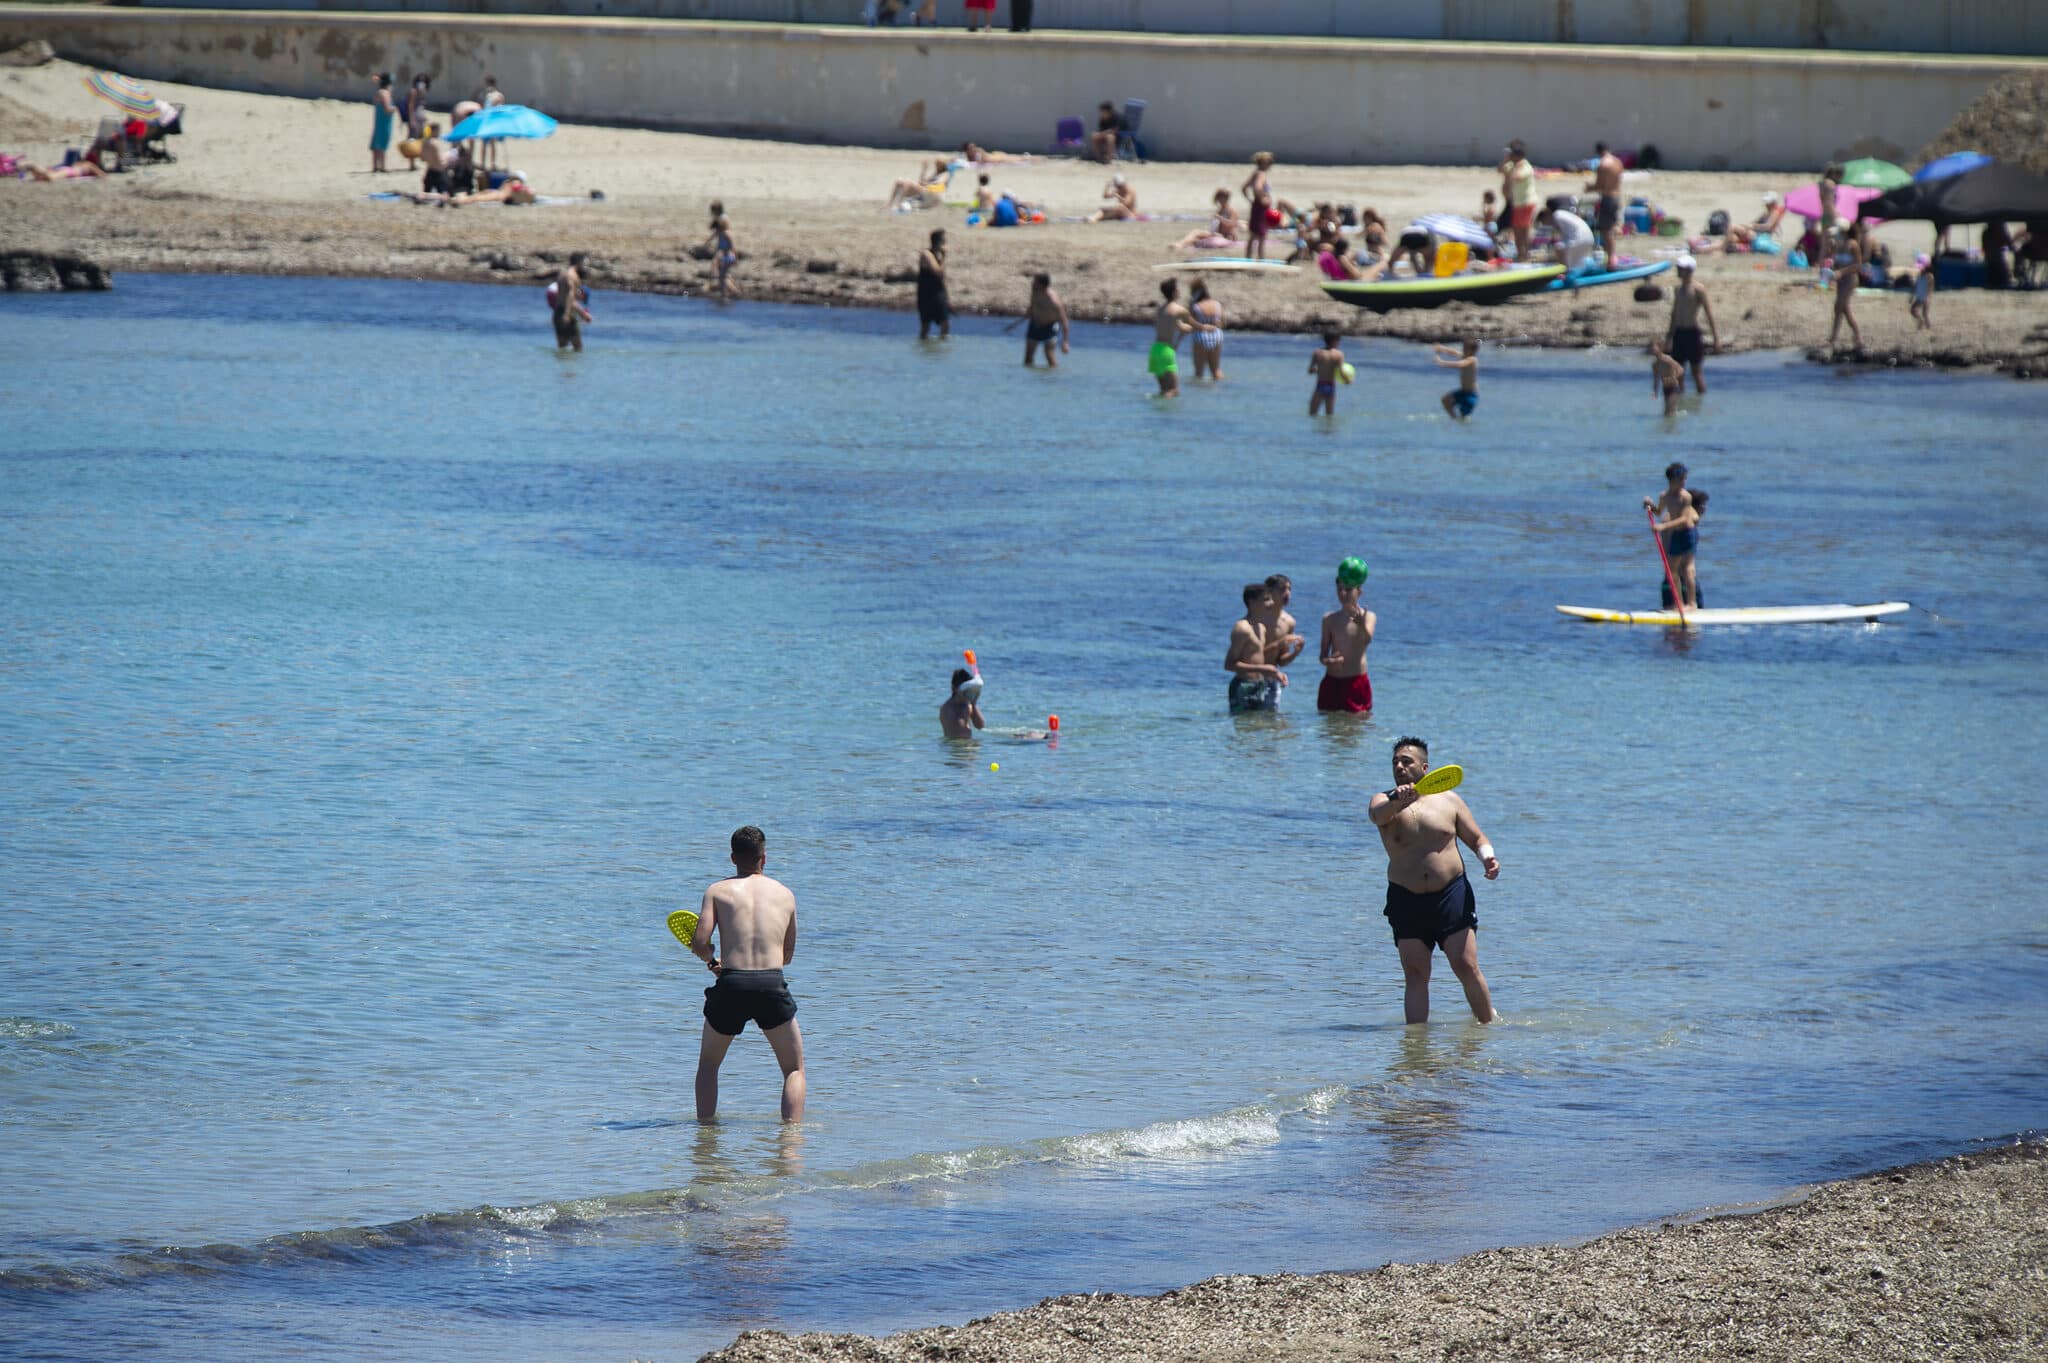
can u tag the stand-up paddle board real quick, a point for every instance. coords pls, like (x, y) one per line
(1741, 615)
(1593, 278)
(1231, 264)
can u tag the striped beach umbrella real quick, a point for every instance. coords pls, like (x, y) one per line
(1451, 227)
(127, 95)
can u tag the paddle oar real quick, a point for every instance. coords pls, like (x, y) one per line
(1677, 600)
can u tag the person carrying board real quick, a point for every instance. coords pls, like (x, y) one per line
(755, 919)
(1429, 900)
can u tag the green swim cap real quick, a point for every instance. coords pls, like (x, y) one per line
(1351, 572)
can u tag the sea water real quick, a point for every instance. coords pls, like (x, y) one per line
(375, 679)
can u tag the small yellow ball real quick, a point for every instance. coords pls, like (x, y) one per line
(995, 766)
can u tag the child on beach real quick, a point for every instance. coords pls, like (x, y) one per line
(1923, 293)
(1463, 400)
(1667, 376)
(727, 256)
(1327, 365)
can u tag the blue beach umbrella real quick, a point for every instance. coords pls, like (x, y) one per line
(1955, 163)
(502, 121)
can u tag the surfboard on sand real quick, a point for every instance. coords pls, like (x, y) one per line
(1231, 264)
(1741, 615)
(1594, 278)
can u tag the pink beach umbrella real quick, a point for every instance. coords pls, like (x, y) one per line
(1805, 201)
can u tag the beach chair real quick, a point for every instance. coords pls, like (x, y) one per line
(1127, 143)
(1069, 137)
(153, 147)
(109, 138)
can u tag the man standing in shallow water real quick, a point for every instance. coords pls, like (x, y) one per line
(1169, 323)
(1429, 900)
(755, 918)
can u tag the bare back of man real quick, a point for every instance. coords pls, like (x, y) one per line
(1429, 900)
(754, 917)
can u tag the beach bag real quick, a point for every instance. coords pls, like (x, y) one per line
(1717, 223)
(1648, 293)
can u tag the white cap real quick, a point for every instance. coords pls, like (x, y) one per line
(1116, 179)
(1770, 196)
(1686, 262)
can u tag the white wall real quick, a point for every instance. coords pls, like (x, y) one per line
(2012, 27)
(1309, 100)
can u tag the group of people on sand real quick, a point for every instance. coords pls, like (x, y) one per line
(456, 174)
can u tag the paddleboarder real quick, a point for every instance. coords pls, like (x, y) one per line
(754, 916)
(1677, 524)
(1429, 901)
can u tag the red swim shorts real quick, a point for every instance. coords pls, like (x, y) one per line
(1345, 695)
(1524, 215)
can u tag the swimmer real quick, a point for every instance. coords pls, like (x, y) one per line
(1170, 322)
(1667, 376)
(1283, 644)
(1347, 633)
(934, 309)
(567, 304)
(960, 716)
(1207, 343)
(755, 919)
(1044, 317)
(1463, 400)
(1255, 684)
(1326, 364)
(1429, 900)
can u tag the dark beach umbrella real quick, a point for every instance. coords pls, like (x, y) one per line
(1994, 193)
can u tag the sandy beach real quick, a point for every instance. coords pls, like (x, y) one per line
(1943, 1260)
(268, 185)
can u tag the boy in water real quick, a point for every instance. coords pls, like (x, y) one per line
(1347, 633)
(1045, 317)
(1326, 364)
(960, 716)
(1255, 684)
(1170, 322)
(1667, 376)
(566, 298)
(755, 919)
(1463, 400)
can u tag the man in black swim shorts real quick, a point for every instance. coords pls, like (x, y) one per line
(1429, 901)
(755, 919)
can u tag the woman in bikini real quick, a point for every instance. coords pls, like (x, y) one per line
(1225, 229)
(1207, 342)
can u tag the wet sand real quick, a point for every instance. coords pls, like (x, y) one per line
(1947, 1260)
(268, 185)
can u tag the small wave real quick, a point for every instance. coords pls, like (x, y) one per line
(34, 1029)
(489, 1228)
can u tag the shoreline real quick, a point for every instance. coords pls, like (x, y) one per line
(811, 230)
(1942, 1259)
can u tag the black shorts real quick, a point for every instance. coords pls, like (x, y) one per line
(1685, 345)
(743, 996)
(568, 326)
(1608, 215)
(1041, 333)
(1433, 916)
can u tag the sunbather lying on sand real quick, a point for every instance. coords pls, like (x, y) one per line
(82, 170)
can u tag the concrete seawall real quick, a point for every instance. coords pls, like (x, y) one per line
(1311, 100)
(1978, 26)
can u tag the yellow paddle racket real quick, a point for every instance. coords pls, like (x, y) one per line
(683, 923)
(1437, 780)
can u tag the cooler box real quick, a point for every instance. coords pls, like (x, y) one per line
(1958, 272)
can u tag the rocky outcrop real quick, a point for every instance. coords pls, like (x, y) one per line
(34, 52)
(48, 272)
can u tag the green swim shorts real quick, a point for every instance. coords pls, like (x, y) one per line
(1162, 360)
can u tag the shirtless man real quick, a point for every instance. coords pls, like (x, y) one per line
(570, 314)
(755, 918)
(1283, 643)
(1677, 525)
(1122, 205)
(960, 716)
(1688, 304)
(1429, 901)
(1255, 684)
(1347, 632)
(1044, 318)
(1607, 184)
(1170, 322)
